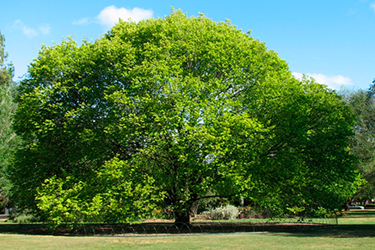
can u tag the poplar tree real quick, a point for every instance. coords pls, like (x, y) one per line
(7, 135)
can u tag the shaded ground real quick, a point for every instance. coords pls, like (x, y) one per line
(145, 229)
(340, 231)
(359, 223)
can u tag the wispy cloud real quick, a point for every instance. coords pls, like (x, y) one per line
(19, 25)
(110, 15)
(83, 21)
(372, 6)
(43, 29)
(333, 82)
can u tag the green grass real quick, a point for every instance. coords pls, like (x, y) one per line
(355, 231)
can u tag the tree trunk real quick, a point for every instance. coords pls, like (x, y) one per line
(346, 206)
(182, 218)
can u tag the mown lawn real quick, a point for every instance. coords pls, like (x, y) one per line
(355, 231)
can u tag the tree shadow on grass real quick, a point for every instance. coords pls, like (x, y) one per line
(9, 228)
(340, 231)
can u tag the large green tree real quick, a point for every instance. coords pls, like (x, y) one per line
(165, 111)
(7, 108)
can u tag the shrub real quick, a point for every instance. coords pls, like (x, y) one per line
(228, 212)
(163, 213)
(23, 216)
(247, 212)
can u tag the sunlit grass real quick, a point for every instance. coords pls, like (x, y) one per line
(355, 231)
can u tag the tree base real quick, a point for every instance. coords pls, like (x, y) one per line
(182, 218)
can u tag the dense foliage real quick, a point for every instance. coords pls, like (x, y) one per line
(8, 140)
(362, 143)
(162, 113)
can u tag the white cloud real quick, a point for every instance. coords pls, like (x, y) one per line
(372, 6)
(30, 32)
(111, 15)
(333, 82)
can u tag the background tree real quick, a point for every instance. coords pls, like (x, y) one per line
(7, 136)
(362, 143)
(190, 105)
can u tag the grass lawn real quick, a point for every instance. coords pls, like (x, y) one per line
(355, 231)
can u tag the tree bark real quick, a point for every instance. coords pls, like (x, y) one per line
(346, 205)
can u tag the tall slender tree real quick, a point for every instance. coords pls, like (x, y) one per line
(7, 108)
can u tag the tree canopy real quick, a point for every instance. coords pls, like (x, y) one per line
(162, 112)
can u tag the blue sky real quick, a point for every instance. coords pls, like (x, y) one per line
(332, 40)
